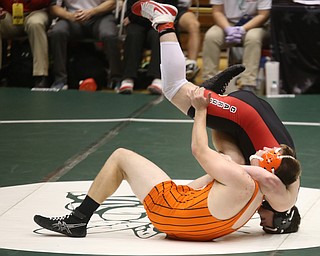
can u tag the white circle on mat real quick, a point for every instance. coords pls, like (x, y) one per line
(121, 227)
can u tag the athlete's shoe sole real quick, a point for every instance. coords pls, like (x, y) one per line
(219, 82)
(155, 12)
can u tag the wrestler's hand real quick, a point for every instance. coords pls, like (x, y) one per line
(197, 98)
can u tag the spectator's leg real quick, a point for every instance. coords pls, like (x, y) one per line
(106, 30)
(154, 68)
(36, 25)
(154, 42)
(58, 38)
(251, 56)
(212, 45)
(189, 23)
(133, 49)
(8, 31)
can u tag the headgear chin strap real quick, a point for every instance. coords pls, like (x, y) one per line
(270, 160)
(281, 220)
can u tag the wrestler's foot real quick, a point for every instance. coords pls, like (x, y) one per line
(157, 13)
(73, 225)
(219, 82)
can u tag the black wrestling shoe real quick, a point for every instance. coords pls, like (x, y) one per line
(219, 82)
(73, 225)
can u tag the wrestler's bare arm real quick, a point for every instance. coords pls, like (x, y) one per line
(200, 182)
(217, 166)
(206, 179)
(181, 99)
(282, 201)
(280, 197)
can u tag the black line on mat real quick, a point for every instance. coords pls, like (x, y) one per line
(76, 159)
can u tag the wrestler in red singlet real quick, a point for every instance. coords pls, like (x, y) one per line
(251, 121)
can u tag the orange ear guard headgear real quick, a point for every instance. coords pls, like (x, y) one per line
(270, 160)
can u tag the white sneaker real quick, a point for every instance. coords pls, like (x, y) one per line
(126, 86)
(192, 69)
(155, 87)
(59, 86)
(157, 13)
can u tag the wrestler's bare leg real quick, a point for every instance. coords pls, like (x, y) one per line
(173, 72)
(175, 85)
(225, 143)
(123, 164)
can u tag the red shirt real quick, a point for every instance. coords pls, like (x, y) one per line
(28, 5)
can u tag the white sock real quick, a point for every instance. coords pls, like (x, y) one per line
(173, 68)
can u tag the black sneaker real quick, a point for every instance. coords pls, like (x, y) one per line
(219, 82)
(40, 82)
(73, 225)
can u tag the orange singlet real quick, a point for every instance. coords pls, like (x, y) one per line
(182, 212)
